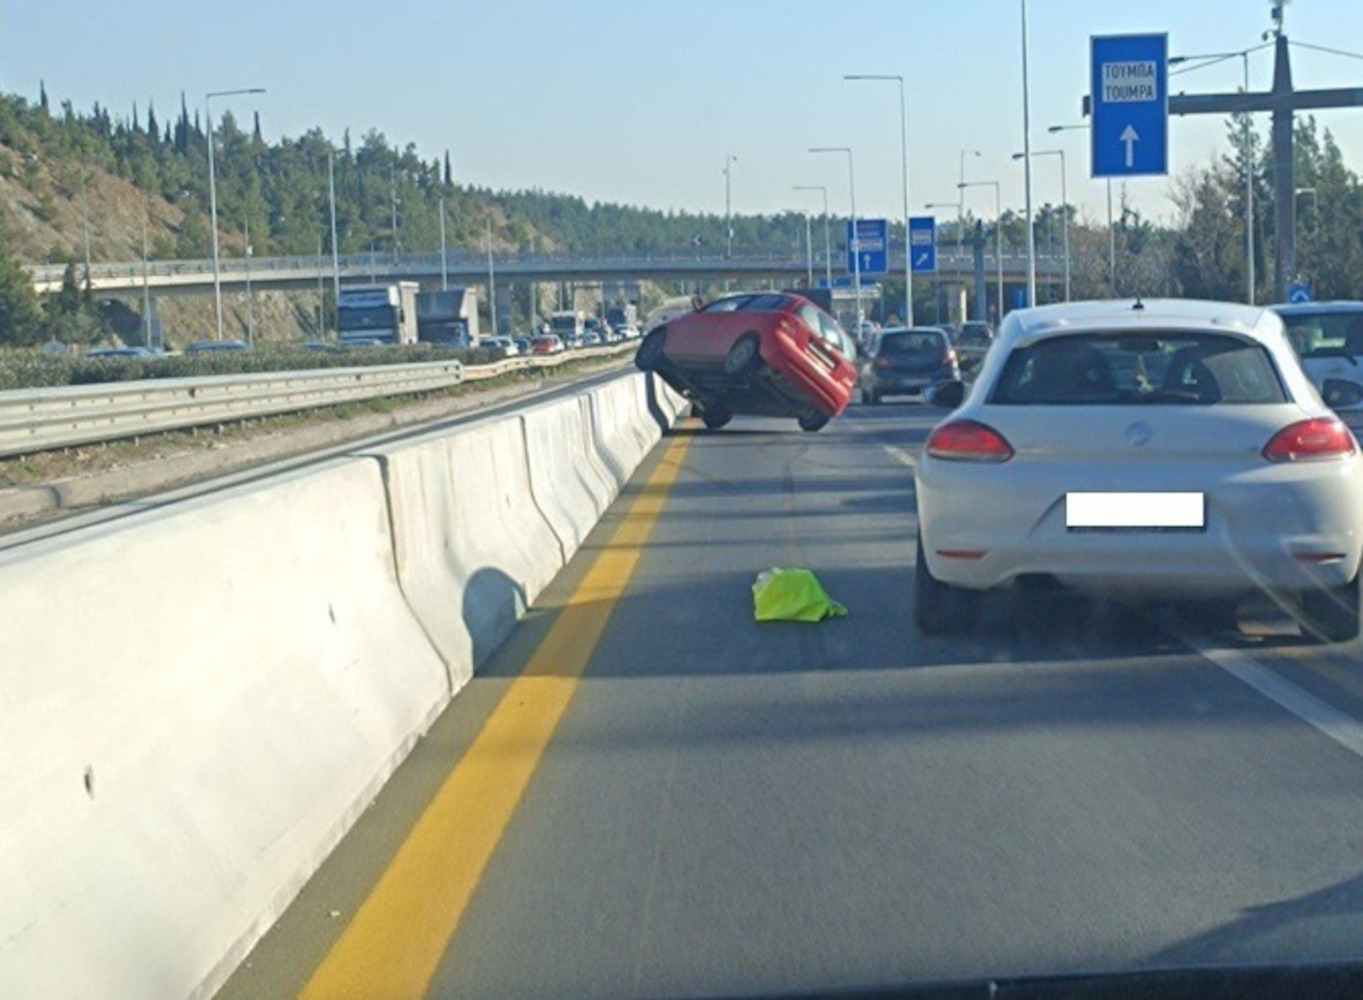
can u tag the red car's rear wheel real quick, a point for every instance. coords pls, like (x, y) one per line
(716, 418)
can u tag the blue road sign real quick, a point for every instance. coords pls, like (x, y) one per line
(1130, 81)
(871, 245)
(1299, 291)
(922, 244)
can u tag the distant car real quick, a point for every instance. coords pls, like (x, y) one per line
(595, 332)
(547, 343)
(120, 352)
(766, 354)
(215, 346)
(628, 331)
(504, 344)
(1162, 448)
(1328, 337)
(973, 341)
(906, 361)
(324, 346)
(522, 346)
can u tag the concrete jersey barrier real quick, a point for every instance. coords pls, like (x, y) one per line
(472, 549)
(196, 704)
(199, 701)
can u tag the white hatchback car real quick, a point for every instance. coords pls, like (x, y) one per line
(1159, 448)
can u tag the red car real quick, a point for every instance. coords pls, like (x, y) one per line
(770, 354)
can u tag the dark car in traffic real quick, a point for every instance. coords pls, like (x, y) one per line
(972, 342)
(769, 354)
(906, 360)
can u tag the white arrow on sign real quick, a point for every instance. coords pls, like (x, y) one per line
(1130, 136)
(866, 262)
(923, 258)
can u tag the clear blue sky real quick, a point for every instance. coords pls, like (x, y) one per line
(638, 101)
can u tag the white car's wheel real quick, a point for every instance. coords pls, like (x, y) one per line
(939, 608)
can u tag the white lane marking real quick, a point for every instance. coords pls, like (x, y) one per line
(1343, 729)
(901, 456)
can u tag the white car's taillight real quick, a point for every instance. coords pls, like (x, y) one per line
(1320, 437)
(968, 441)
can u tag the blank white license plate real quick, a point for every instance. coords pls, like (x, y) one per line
(1135, 511)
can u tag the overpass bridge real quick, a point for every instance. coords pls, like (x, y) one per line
(285, 273)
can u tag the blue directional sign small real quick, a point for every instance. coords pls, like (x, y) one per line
(922, 244)
(1299, 291)
(1130, 81)
(871, 245)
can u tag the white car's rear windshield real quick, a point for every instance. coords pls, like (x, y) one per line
(1177, 369)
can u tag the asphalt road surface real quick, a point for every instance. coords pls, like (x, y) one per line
(647, 794)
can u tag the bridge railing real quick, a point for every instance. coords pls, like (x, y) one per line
(387, 264)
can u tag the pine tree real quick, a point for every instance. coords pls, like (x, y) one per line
(20, 317)
(182, 128)
(153, 129)
(449, 173)
(255, 131)
(42, 96)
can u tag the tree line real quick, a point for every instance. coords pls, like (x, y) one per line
(279, 192)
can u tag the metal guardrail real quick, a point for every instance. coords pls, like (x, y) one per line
(34, 420)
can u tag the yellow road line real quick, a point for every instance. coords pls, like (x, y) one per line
(394, 944)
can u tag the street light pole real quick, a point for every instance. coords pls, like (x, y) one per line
(444, 256)
(904, 169)
(250, 318)
(854, 244)
(1064, 208)
(213, 191)
(1249, 161)
(491, 281)
(809, 251)
(827, 234)
(1111, 230)
(998, 232)
(1027, 164)
(729, 160)
(335, 249)
(960, 208)
(393, 198)
(146, 284)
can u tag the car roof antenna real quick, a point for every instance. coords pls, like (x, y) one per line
(1139, 304)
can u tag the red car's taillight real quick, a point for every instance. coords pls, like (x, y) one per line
(968, 441)
(1321, 437)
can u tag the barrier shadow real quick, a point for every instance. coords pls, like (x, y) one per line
(492, 605)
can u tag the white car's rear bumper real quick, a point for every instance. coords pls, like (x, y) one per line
(1266, 528)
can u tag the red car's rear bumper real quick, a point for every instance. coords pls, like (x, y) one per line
(830, 390)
